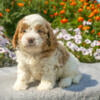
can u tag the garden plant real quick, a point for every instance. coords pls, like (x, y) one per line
(76, 23)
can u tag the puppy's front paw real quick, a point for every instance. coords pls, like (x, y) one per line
(20, 86)
(45, 86)
(65, 82)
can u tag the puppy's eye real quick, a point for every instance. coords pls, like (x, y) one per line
(39, 31)
(24, 31)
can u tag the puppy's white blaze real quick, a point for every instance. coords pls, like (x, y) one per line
(31, 34)
(31, 19)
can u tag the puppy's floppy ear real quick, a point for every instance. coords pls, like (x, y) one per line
(51, 41)
(15, 37)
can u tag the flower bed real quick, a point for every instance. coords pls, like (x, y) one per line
(78, 22)
(7, 55)
(85, 50)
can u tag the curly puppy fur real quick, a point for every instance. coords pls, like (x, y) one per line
(41, 57)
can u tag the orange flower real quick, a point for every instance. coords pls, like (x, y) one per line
(51, 16)
(98, 6)
(96, 11)
(93, 31)
(63, 21)
(80, 10)
(92, 8)
(62, 3)
(20, 4)
(91, 14)
(73, 3)
(98, 34)
(88, 8)
(95, 1)
(82, 0)
(80, 19)
(80, 26)
(62, 12)
(72, 0)
(64, 7)
(46, 2)
(85, 28)
(54, 7)
(90, 20)
(92, 5)
(45, 11)
(1, 14)
(97, 18)
(55, 14)
(7, 10)
(85, 4)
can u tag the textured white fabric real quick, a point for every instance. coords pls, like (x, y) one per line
(87, 89)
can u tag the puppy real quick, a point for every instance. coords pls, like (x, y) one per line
(41, 57)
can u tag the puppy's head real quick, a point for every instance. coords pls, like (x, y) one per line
(34, 33)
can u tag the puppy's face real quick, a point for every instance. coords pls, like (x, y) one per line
(33, 33)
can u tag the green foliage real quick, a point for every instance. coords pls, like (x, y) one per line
(10, 19)
(51, 10)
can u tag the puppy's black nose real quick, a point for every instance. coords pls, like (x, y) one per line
(30, 40)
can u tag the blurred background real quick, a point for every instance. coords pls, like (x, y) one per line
(75, 22)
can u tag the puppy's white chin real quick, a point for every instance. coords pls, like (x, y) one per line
(32, 49)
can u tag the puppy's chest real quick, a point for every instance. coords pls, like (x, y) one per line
(36, 68)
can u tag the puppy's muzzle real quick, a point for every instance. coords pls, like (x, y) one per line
(30, 41)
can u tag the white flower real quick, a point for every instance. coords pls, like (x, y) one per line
(60, 35)
(67, 37)
(70, 29)
(76, 37)
(1, 28)
(82, 48)
(97, 55)
(97, 50)
(90, 51)
(70, 45)
(85, 52)
(3, 41)
(3, 50)
(64, 31)
(77, 48)
(77, 31)
(1, 32)
(86, 31)
(78, 41)
(95, 43)
(12, 55)
(55, 31)
(86, 23)
(87, 41)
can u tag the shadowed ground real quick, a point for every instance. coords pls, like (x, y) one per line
(87, 89)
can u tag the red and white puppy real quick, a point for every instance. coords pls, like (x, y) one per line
(41, 57)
